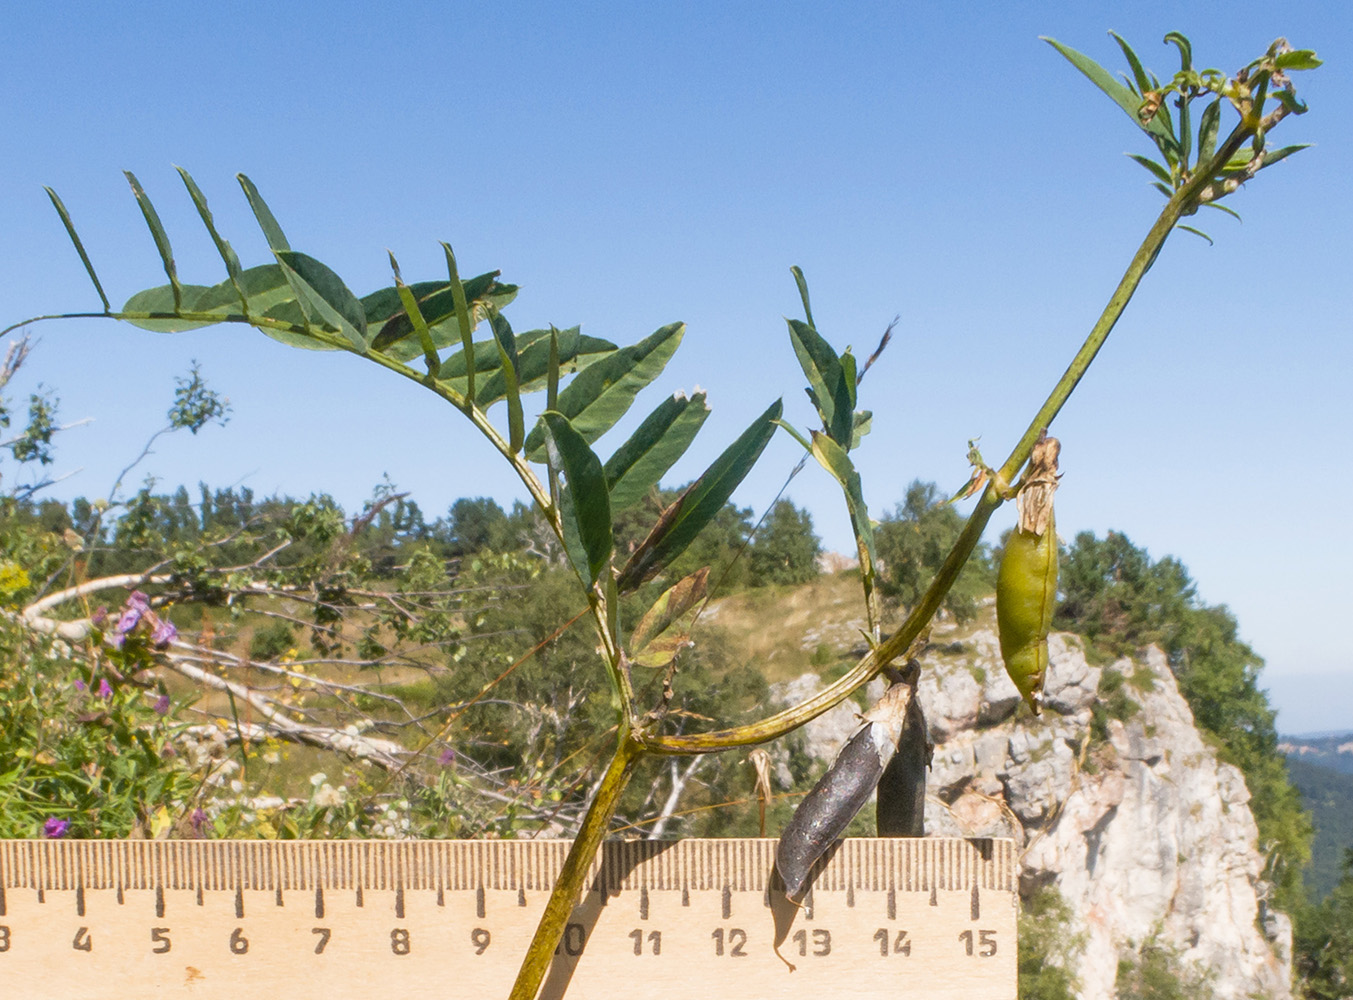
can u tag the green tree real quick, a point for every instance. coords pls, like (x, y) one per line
(785, 549)
(1048, 947)
(1113, 591)
(1324, 942)
(1155, 972)
(474, 524)
(913, 540)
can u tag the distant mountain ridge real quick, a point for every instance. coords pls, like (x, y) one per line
(1331, 750)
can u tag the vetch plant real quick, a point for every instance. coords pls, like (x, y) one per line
(426, 332)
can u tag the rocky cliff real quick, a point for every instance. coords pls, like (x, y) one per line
(1125, 810)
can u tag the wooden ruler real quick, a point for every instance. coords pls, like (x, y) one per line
(932, 918)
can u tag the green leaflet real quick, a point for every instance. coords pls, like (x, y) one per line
(640, 463)
(161, 299)
(269, 294)
(324, 297)
(1144, 82)
(384, 305)
(1208, 124)
(832, 457)
(1155, 168)
(1298, 59)
(1185, 47)
(507, 357)
(223, 247)
(437, 300)
(831, 387)
(160, 236)
(701, 502)
(464, 318)
(802, 282)
(266, 289)
(533, 362)
(588, 511)
(602, 393)
(864, 423)
(415, 314)
(60, 207)
(532, 345)
(1272, 156)
(272, 232)
(1119, 93)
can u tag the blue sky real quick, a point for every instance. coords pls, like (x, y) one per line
(632, 165)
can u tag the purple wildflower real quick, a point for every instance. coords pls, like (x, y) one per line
(164, 633)
(105, 691)
(55, 828)
(162, 705)
(127, 621)
(448, 756)
(99, 616)
(136, 607)
(199, 820)
(80, 685)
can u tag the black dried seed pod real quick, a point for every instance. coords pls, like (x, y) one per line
(900, 809)
(833, 802)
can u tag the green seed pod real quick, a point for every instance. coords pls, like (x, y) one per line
(1026, 588)
(1026, 592)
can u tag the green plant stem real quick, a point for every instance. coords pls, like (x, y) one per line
(1183, 202)
(569, 885)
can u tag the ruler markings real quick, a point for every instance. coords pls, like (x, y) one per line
(902, 865)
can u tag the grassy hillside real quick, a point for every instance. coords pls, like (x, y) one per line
(789, 631)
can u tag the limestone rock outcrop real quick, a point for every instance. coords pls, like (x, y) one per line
(1145, 833)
